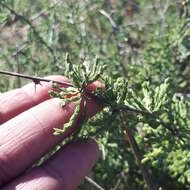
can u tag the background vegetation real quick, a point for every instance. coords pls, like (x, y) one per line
(144, 41)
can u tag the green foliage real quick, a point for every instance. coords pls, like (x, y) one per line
(81, 76)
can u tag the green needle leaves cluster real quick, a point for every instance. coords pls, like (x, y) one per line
(156, 106)
(115, 92)
(80, 75)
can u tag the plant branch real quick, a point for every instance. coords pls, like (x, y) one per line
(91, 181)
(175, 132)
(19, 49)
(36, 80)
(135, 149)
(115, 31)
(121, 176)
(45, 11)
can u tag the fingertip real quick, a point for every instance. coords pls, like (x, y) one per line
(19, 100)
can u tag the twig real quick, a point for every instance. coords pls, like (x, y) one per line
(116, 30)
(91, 181)
(45, 11)
(135, 149)
(19, 49)
(186, 9)
(153, 116)
(121, 176)
(112, 22)
(117, 184)
(36, 80)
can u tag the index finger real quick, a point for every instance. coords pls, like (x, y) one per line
(17, 101)
(28, 136)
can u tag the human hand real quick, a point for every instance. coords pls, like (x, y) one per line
(27, 120)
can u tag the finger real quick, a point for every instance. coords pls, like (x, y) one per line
(92, 87)
(28, 136)
(16, 101)
(65, 170)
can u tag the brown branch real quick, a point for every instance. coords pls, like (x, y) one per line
(92, 182)
(115, 31)
(44, 12)
(118, 182)
(135, 149)
(36, 80)
(175, 132)
(19, 49)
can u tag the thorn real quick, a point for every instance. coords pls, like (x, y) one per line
(36, 82)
